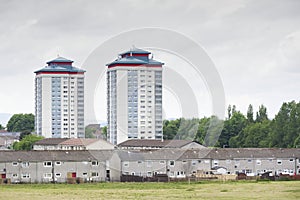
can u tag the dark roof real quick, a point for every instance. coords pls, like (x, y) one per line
(208, 153)
(60, 60)
(60, 64)
(160, 154)
(15, 156)
(51, 141)
(79, 141)
(229, 153)
(130, 57)
(155, 143)
(135, 50)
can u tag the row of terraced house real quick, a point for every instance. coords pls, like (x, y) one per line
(110, 165)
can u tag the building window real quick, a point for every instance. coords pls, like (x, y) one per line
(25, 164)
(279, 162)
(149, 174)
(171, 163)
(14, 164)
(94, 174)
(58, 175)
(47, 164)
(162, 162)
(258, 162)
(57, 163)
(25, 175)
(216, 162)
(140, 162)
(15, 175)
(126, 164)
(48, 175)
(291, 160)
(194, 162)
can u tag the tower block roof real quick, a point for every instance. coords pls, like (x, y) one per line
(60, 65)
(135, 57)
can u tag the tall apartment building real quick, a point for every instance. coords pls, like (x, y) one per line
(134, 97)
(59, 100)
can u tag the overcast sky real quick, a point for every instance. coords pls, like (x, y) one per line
(255, 45)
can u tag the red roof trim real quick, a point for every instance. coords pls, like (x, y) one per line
(135, 54)
(59, 73)
(60, 63)
(134, 65)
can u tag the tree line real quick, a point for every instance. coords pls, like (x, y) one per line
(236, 130)
(239, 130)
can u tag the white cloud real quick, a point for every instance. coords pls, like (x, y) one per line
(254, 44)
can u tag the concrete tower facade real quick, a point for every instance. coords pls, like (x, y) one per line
(59, 100)
(134, 97)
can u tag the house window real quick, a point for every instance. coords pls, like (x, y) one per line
(25, 175)
(14, 164)
(249, 161)
(25, 164)
(57, 163)
(15, 175)
(139, 162)
(194, 162)
(95, 163)
(216, 162)
(149, 173)
(162, 162)
(94, 174)
(48, 175)
(47, 164)
(279, 162)
(84, 174)
(58, 175)
(171, 163)
(258, 162)
(291, 160)
(126, 164)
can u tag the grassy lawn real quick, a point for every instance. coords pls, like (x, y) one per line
(202, 190)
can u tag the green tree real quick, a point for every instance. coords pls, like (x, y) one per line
(170, 128)
(229, 111)
(213, 132)
(250, 114)
(202, 130)
(1, 127)
(187, 129)
(90, 132)
(261, 115)
(27, 142)
(21, 122)
(286, 126)
(232, 127)
(23, 134)
(256, 135)
(233, 110)
(104, 131)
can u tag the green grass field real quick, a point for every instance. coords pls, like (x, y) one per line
(202, 190)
